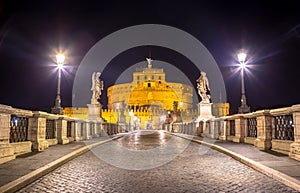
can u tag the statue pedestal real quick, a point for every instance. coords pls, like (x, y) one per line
(94, 112)
(205, 110)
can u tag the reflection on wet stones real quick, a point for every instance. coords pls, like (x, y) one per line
(144, 140)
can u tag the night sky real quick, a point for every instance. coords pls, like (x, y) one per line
(32, 31)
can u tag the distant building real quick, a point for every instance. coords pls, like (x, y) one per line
(149, 88)
(149, 101)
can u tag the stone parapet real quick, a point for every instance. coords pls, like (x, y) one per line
(6, 150)
(295, 151)
(264, 130)
(295, 146)
(37, 130)
(282, 146)
(61, 125)
(22, 147)
(239, 129)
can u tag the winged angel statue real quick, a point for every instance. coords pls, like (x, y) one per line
(97, 87)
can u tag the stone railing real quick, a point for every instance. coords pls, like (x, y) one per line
(23, 131)
(276, 129)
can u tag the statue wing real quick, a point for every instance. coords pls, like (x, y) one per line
(207, 84)
(102, 85)
(93, 81)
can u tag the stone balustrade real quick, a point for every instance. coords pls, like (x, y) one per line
(276, 129)
(23, 131)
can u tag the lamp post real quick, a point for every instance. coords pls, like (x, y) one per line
(118, 107)
(131, 115)
(57, 109)
(181, 103)
(244, 108)
(169, 122)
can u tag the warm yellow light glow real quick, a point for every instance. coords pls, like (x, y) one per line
(242, 57)
(60, 58)
(153, 94)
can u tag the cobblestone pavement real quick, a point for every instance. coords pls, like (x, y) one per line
(190, 171)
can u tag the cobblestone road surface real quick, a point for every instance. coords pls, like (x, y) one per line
(190, 171)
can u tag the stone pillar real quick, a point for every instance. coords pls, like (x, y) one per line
(204, 129)
(94, 112)
(37, 131)
(6, 150)
(199, 128)
(217, 125)
(239, 130)
(62, 131)
(205, 110)
(95, 130)
(73, 131)
(212, 126)
(295, 146)
(264, 130)
(77, 129)
(87, 133)
(223, 130)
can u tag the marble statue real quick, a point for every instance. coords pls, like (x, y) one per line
(97, 87)
(149, 60)
(203, 88)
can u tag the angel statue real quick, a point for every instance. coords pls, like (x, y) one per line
(203, 88)
(97, 87)
(149, 60)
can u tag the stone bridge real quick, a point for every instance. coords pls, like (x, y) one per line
(23, 131)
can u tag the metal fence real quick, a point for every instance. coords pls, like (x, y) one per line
(69, 128)
(18, 129)
(252, 127)
(218, 125)
(82, 128)
(284, 127)
(92, 127)
(232, 127)
(50, 129)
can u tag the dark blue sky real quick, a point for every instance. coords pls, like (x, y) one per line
(30, 31)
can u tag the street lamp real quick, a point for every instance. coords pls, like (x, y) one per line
(131, 115)
(181, 103)
(169, 117)
(118, 107)
(57, 109)
(244, 108)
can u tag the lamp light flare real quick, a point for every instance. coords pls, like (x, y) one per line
(60, 58)
(242, 57)
(243, 65)
(60, 65)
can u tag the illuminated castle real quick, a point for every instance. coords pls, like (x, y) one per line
(149, 89)
(149, 98)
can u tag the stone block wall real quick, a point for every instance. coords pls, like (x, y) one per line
(35, 130)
